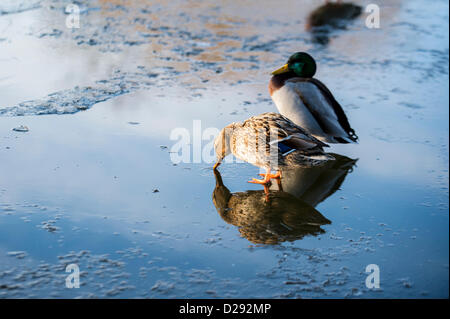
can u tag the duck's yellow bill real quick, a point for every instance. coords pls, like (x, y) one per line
(283, 69)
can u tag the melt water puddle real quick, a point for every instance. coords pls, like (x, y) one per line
(94, 182)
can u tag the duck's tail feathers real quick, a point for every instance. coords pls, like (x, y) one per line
(350, 138)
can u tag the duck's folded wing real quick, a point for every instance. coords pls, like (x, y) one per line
(325, 109)
(278, 128)
(292, 135)
(288, 128)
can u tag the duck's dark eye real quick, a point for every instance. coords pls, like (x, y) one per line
(297, 67)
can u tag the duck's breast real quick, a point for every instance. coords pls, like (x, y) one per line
(290, 104)
(244, 146)
(251, 145)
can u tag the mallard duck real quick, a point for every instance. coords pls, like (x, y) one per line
(328, 17)
(270, 141)
(308, 102)
(281, 218)
(333, 14)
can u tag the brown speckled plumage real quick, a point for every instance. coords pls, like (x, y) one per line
(255, 141)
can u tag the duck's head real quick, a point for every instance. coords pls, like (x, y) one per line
(300, 64)
(222, 143)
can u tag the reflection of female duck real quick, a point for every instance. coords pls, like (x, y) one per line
(282, 217)
(314, 184)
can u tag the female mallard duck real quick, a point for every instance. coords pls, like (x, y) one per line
(307, 102)
(270, 141)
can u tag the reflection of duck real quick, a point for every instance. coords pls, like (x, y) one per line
(308, 102)
(281, 218)
(314, 184)
(330, 16)
(270, 141)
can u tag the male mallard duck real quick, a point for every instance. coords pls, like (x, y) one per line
(307, 102)
(270, 141)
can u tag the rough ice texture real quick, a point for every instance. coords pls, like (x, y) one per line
(14, 6)
(82, 98)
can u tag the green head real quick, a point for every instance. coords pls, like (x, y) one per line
(301, 64)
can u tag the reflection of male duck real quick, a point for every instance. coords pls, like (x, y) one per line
(314, 184)
(286, 215)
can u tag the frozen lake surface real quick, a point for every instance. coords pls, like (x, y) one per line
(92, 181)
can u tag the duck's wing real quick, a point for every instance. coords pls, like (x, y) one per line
(325, 109)
(283, 131)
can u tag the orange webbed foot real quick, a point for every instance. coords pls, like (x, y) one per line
(260, 181)
(270, 176)
(267, 177)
